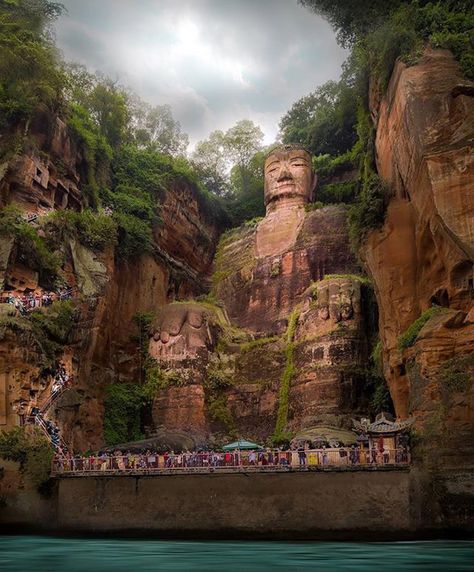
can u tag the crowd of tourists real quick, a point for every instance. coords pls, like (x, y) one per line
(52, 431)
(27, 302)
(61, 379)
(301, 457)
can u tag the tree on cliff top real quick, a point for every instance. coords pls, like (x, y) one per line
(29, 71)
(230, 164)
(323, 121)
(155, 128)
(386, 30)
(352, 18)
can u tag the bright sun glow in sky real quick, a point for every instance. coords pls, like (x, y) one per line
(214, 61)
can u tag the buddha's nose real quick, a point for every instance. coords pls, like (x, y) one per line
(284, 173)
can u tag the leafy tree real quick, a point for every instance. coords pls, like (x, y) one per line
(230, 165)
(209, 160)
(28, 447)
(242, 141)
(97, 151)
(323, 121)
(352, 18)
(247, 190)
(106, 103)
(122, 420)
(29, 74)
(384, 31)
(156, 129)
(108, 106)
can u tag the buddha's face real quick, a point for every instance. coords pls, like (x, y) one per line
(289, 175)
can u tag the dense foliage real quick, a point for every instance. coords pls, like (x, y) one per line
(230, 164)
(409, 336)
(123, 403)
(29, 74)
(31, 248)
(93, 229)
(28, 447)
(45, 330)
(387, 30)
(323, 121)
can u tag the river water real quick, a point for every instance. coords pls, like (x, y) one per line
(47, 554)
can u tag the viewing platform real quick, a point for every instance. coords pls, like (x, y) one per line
(315, 460)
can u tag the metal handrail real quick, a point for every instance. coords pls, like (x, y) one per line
(189, 463)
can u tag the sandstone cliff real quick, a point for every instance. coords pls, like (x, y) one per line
(103, 346)
(423, 254)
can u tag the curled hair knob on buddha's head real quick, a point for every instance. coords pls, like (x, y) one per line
(289, 177)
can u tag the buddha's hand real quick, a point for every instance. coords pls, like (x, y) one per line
(179, 330)
(338, 298)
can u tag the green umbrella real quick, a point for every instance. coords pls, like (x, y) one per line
(241, 444)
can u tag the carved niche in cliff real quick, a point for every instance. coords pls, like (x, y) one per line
(295, 260)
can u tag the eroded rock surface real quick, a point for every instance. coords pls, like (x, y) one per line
(423, 255)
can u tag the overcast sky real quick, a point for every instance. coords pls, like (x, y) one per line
(213, 61)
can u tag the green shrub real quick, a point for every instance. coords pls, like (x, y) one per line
(219, 411)
(45, 330)
(157, 378)
(369, 211)
(92, 229)
(217, 379)
(457, 373)
(29, 448)
(55, 321)
(134, 235)
(97, 151)
(314, 206)
(122, 419)
(408, 337)
(31, 249)
(132, 201)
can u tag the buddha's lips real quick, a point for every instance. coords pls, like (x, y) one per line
(286, 184)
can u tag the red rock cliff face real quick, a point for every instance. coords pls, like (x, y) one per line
(104, 347)
(423, 255)
(179, 269)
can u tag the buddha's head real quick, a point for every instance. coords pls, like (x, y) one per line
(289, 177)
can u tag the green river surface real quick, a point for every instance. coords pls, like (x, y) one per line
(51, 554)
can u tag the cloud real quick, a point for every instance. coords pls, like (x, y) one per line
(213, 61)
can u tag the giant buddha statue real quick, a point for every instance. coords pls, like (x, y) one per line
(295, 260)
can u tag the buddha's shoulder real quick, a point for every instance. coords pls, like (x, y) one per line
(329, 222)
(236, 247)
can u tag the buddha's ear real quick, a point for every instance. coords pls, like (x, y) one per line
(314, 183)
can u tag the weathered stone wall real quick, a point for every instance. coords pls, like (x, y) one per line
(350, 504)
(273, 505)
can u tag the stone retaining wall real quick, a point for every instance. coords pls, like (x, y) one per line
(271, 505)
